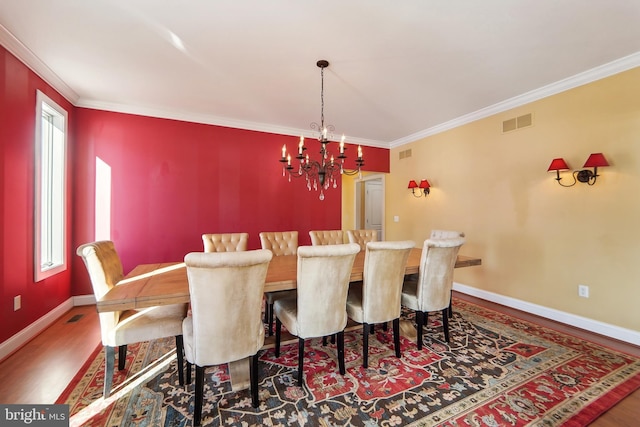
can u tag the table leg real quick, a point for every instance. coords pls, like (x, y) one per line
(407, 330)
(239, 374)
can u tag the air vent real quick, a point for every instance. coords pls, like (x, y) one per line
(519, 122)
(404, 154)
(75, 318)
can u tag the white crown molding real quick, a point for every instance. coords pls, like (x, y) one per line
(590, 325)
(20, 51)
(214, 120)
(597, 73)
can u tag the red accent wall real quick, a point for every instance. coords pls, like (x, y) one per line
(172, 181)
(18, 85)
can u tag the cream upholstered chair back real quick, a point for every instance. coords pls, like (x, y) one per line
(226, 291)
(445, 234)
(435, 277)
(326, 237)
(362, 237)
(322, 284)
(383, 276)
(105, 271)
(280, 242)
(225, 242)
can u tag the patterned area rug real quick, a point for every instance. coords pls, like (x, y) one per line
(497, 371)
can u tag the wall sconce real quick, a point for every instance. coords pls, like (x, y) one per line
(423, 188)
(594, 161)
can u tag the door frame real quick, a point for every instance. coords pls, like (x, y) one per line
(358, 199)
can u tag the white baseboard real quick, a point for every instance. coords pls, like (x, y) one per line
(612, 331)
(21, 338)
(84, 300)
(627, 335)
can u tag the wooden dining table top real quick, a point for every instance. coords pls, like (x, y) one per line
(149, 285)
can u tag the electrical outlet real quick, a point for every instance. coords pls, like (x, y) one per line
(396, 218)
(17, 302)
(583, 291)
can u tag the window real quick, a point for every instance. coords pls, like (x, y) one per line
(50, 188)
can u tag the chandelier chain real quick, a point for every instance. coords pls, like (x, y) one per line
(321, 99)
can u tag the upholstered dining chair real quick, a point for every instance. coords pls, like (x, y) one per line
(362, 237)
(225, 242)
(226, 291)
(447, 234)
(377, 298)
(320, 306)
(280, 243)
(326, 237)
(119, 328)
(432, 290)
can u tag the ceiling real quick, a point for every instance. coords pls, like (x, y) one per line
(398, 70)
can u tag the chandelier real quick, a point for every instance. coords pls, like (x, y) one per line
(324, 172)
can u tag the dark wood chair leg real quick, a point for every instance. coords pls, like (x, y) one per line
(300, 361)
(333, 339)
(445, 324)
(270, 319)
(451, 305)
(419, 323)
(188, 379)
(385, 327)
(180, 358)
(253, 375)
(278, 333)
(365, 345)
(109, 364)
(122, 356)
(341, 352)
(324, 341)
(396, 336)
(199, 392)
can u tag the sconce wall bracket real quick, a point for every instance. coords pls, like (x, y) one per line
(585, 175)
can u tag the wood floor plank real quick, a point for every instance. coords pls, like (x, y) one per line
(39, 371)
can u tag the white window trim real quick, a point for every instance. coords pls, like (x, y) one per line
(41, 272)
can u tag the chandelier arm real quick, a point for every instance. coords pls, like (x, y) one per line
(351, 172)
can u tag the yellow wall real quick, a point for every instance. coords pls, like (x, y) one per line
(349, 184)
(537, 240)
(348, 197)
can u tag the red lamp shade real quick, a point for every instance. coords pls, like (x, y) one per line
(423, 184)
(596, 160)
(412, 184)
(558, 165)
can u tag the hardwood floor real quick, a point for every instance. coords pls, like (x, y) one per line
(39, 372)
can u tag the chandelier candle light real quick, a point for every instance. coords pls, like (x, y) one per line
(322, 173)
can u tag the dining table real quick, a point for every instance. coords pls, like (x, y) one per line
(156, 284)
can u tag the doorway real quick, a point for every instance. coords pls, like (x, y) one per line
(369, 201)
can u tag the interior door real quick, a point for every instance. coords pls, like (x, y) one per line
(373, 205)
